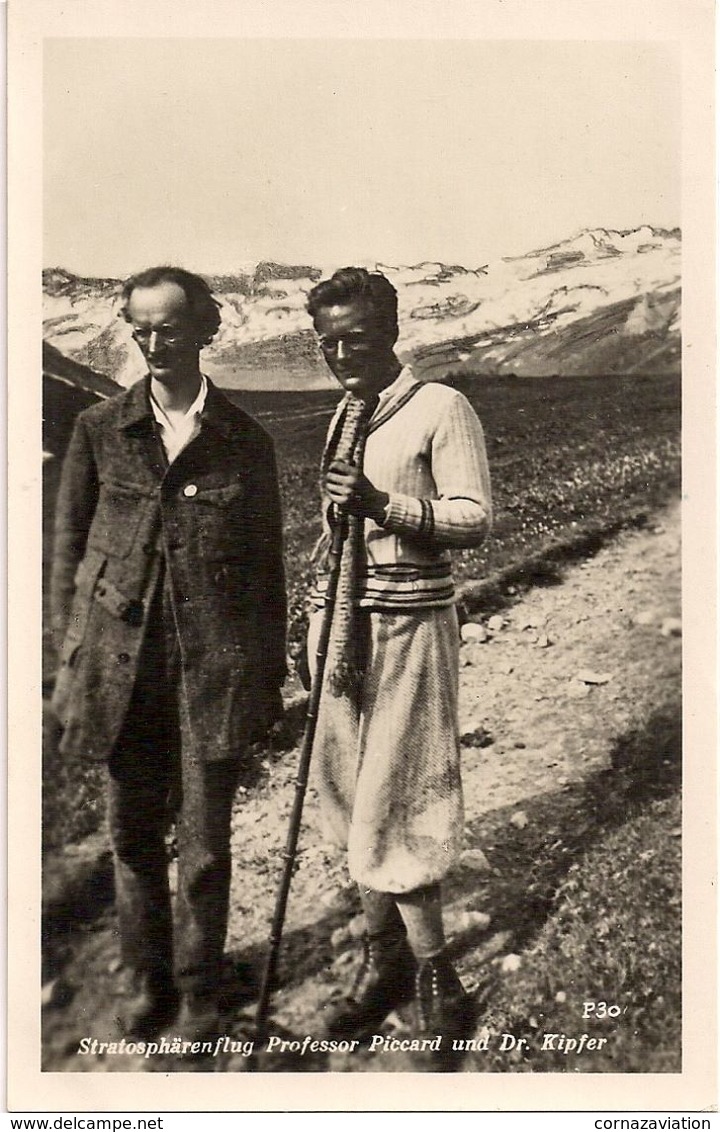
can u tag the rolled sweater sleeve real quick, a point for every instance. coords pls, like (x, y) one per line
(461, 514)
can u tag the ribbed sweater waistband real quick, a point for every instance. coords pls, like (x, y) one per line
(399, 587)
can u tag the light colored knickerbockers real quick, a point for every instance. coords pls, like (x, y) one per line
(389, 781)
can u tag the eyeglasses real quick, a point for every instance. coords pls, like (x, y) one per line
(352, 343)
(171, 337)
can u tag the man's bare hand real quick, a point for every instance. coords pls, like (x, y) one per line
(352, 491)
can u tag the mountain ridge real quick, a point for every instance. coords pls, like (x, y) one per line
(513, 315)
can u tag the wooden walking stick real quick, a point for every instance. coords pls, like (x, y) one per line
(351, 445)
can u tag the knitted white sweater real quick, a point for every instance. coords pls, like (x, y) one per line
(427, 450)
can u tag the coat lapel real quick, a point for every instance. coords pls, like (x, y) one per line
(137, 424)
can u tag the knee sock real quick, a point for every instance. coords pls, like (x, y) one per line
(421, 911)
(381, 914)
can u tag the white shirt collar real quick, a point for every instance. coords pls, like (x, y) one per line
(178, 428)
(175, 418)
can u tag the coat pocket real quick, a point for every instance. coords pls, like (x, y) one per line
(88, 572)
(119, 511)
(221, 522)
(226, 495)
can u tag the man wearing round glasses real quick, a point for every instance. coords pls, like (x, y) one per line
(386, 753)
(168, 599)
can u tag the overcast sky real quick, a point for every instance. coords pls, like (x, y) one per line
(217, 153)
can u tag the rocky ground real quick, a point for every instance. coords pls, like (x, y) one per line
(550, 691)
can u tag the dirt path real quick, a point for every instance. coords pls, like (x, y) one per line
(547, 701)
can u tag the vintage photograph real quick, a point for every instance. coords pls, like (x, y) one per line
(362, 622)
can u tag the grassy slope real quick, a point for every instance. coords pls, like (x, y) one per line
(616, 925)
(614, 922)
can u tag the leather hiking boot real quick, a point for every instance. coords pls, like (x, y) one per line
(151, 1004)
(384, 980)
(442, 1004)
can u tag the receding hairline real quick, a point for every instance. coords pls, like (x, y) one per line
(156, 287)
(202, 308)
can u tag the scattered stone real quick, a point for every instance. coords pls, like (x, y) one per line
(492, 948)
(346, 958)
(56, 993)
(511, 963)
(238, 1064)
(519, 744)
(471, 984)
(356, 927)
(578, 690)
(519, 819)
(671, 627)
(477, 738)
(506, 669)
(476, 901)
(115, 965)
(561, 996)
(339, 939)
(543, 641)
(647, 617)
(394, 1021)
(496, 623)
(473, 633)
(587, 676)
(47, 996)
(531, 621)
(473, 920)
(475, 859)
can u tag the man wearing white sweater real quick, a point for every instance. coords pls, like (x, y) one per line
(387, 759)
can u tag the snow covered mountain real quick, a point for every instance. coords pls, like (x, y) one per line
(600, 302)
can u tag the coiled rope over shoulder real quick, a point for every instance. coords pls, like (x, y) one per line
(342, 670)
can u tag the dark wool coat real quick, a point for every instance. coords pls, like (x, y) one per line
(214, 517)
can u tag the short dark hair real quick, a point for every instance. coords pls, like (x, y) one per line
(204, 307)
(350, 284)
